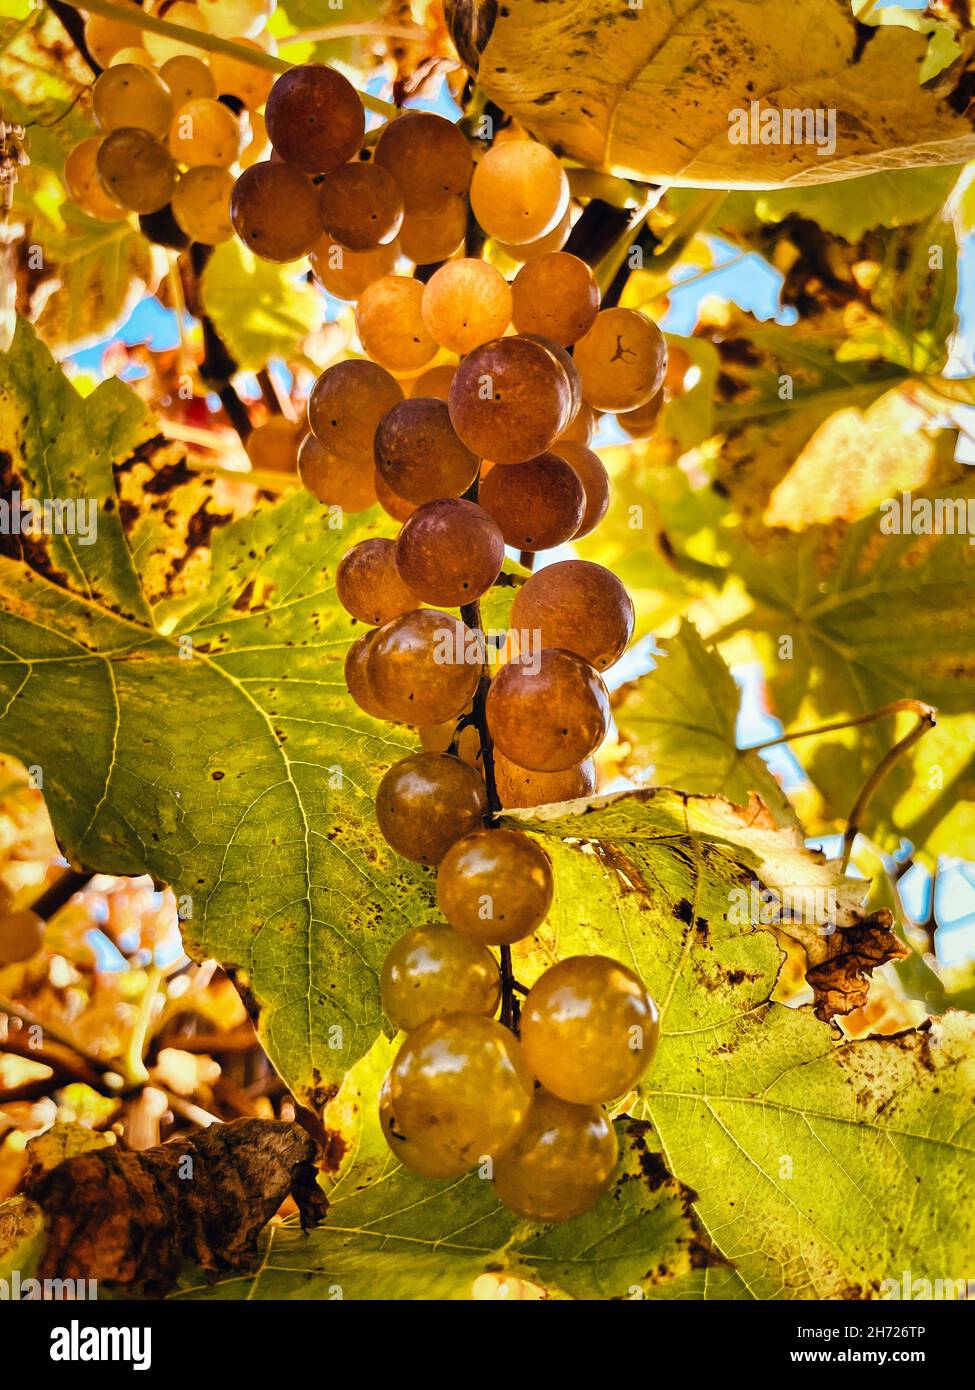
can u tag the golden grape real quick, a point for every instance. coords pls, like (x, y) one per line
(427, 801)
(495, 886)
(431, 971)
(460, 1088)
(589, 1029)
(549, 714)
(561, 1163)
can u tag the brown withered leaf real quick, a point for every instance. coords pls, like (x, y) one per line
(840, 963)
(130, 1219)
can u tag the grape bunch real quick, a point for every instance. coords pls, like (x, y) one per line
(173, 121)
(468, 417)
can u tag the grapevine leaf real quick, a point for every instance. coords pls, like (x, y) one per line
(222, 754)
(847, 1157)
(776, 387)
(647, 91)
(259, 309)
(679, 721)
(890, 198)
(830, 592)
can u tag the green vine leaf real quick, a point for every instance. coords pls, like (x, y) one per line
(847, 1157)
(258, 309)
(830, 593)
(222, 754)
(679, 722)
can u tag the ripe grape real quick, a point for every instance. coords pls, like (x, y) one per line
(21, 936)
(509, 399)
(162, 47)
(390, 324)
(361, 206)
(425, 240)
(595, 480)
(236, 78)
(437, 738)
(105, 37)
(275, 211)
(205, 131)
(642, 422)
(139, 56)
(431, 971)
(589, 1029)
(435, 381)
(518, 787)
(84, 185)
(537, 504)
(460, 1088)
(582, 428)
(495, 886)
(345, 407)
(561, 1163)
(550, 716)
(187, 78)
(412, 1155)
(543, 245)
(273, 446)
(335, 479)
(429, 158)
(231, 17)
(564, 360)
(346, 274)
(556, 296)
(257, 145)
(392, 504)
(424, 666)
(357, 676)
(369, 585)
(579, 606)
(201, 204)
(418, 454)
(679, 364)
(469, 747)
(450, 551)
(519, 191)
(129, 97)
(315, 118)
(621, 360)
(428, 801)
(136, 170)
(465, 303)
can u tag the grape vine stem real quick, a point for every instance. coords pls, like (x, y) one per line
(210, 43)
(471, 615)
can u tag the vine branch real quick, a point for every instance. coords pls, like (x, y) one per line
(471, 615)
